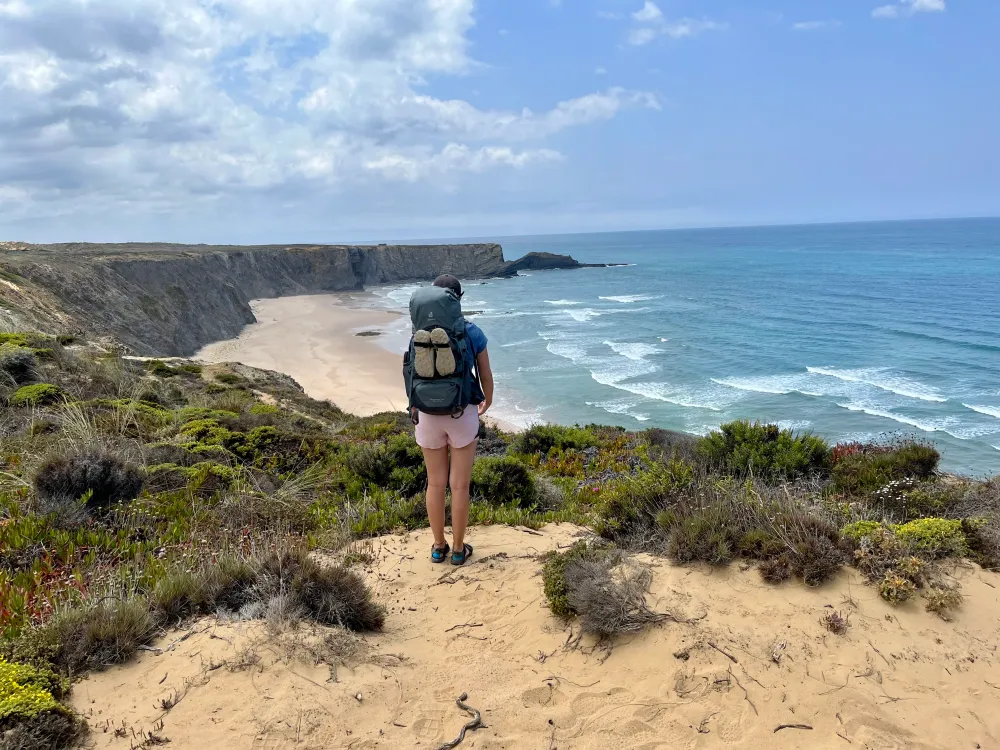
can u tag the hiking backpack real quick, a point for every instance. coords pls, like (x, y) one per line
(439, 368)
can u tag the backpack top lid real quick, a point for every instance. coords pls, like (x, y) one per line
(436, 307)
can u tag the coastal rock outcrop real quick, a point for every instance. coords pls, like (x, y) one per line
(170, 300)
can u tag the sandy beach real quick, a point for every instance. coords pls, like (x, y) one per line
(315, 340)
(746, 665)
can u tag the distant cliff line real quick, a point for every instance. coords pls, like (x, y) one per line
(170, 300)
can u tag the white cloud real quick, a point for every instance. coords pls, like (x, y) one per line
(905, 8)
(815, 25)
(155, 103)
(649, 13)
(600, 71)
(653, 24)
(418, 164)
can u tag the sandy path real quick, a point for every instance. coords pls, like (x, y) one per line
(900, 678)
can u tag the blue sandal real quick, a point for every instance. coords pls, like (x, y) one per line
(440, 554)
(459, 558)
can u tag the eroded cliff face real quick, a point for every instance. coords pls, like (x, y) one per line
(165, 300)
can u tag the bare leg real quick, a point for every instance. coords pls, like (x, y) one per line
(461, 474)
(437, 481)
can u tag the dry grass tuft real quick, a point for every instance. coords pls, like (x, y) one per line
(609, 596)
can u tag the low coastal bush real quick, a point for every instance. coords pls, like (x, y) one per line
(39, 394)
(543, 438)
(102, 478)
(395, 464)
(501, 481)
(629, 506)
(330, 595)
(31, 717)
(870, 467)
(554, 566)
(18, 365)
(765, 451)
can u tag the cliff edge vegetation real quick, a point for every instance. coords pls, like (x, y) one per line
(136, 494)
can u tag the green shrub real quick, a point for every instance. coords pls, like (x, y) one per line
(30, 715)
(103, 478)
(895, 588)
(863, 473)
(934, 537)
(630, 504)
(264, 410)
(711, 534)
(229, 378)
(39, 394)
(543, 438)
(859, 529)
(765, 451)
(395, 464)
(503, 480)
(161, 369)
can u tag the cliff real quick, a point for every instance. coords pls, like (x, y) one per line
(164, 300)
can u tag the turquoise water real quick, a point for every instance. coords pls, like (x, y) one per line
(849, 331)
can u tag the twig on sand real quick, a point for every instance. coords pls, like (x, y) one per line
(746, 695)
(791, 726)
(879, 653)
(532, 532)
(725, 653)
(465, 625)
(476, 723)
(844, 738)
(557, 678)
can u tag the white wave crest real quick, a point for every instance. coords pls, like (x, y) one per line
(877, 378)
(582, 316)
(779, 385)
(572, 352)
(562, 302)
(628, 299)
(989, 411)
(634, 351)
(945, 425)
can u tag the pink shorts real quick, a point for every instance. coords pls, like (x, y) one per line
(435, 431)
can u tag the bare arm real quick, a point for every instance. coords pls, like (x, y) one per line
(485, 379)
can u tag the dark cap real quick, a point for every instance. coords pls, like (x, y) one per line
(448, 281)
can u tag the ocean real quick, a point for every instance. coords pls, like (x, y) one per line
(850, 331)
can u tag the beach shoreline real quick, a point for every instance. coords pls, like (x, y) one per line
(337, 347)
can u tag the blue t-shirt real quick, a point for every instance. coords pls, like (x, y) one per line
(476, 337)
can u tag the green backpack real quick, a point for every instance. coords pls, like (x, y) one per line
(439, 368)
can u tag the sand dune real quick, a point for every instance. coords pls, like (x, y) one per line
(900, 677)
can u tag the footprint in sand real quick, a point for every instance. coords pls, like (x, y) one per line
(427, 727)
(730, 726)
(542, 696)
(672, 736)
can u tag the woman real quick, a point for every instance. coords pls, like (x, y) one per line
(438, 436)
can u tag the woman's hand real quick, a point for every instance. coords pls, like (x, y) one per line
(484, 407)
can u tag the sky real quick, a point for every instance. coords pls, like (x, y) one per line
(377, 120)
